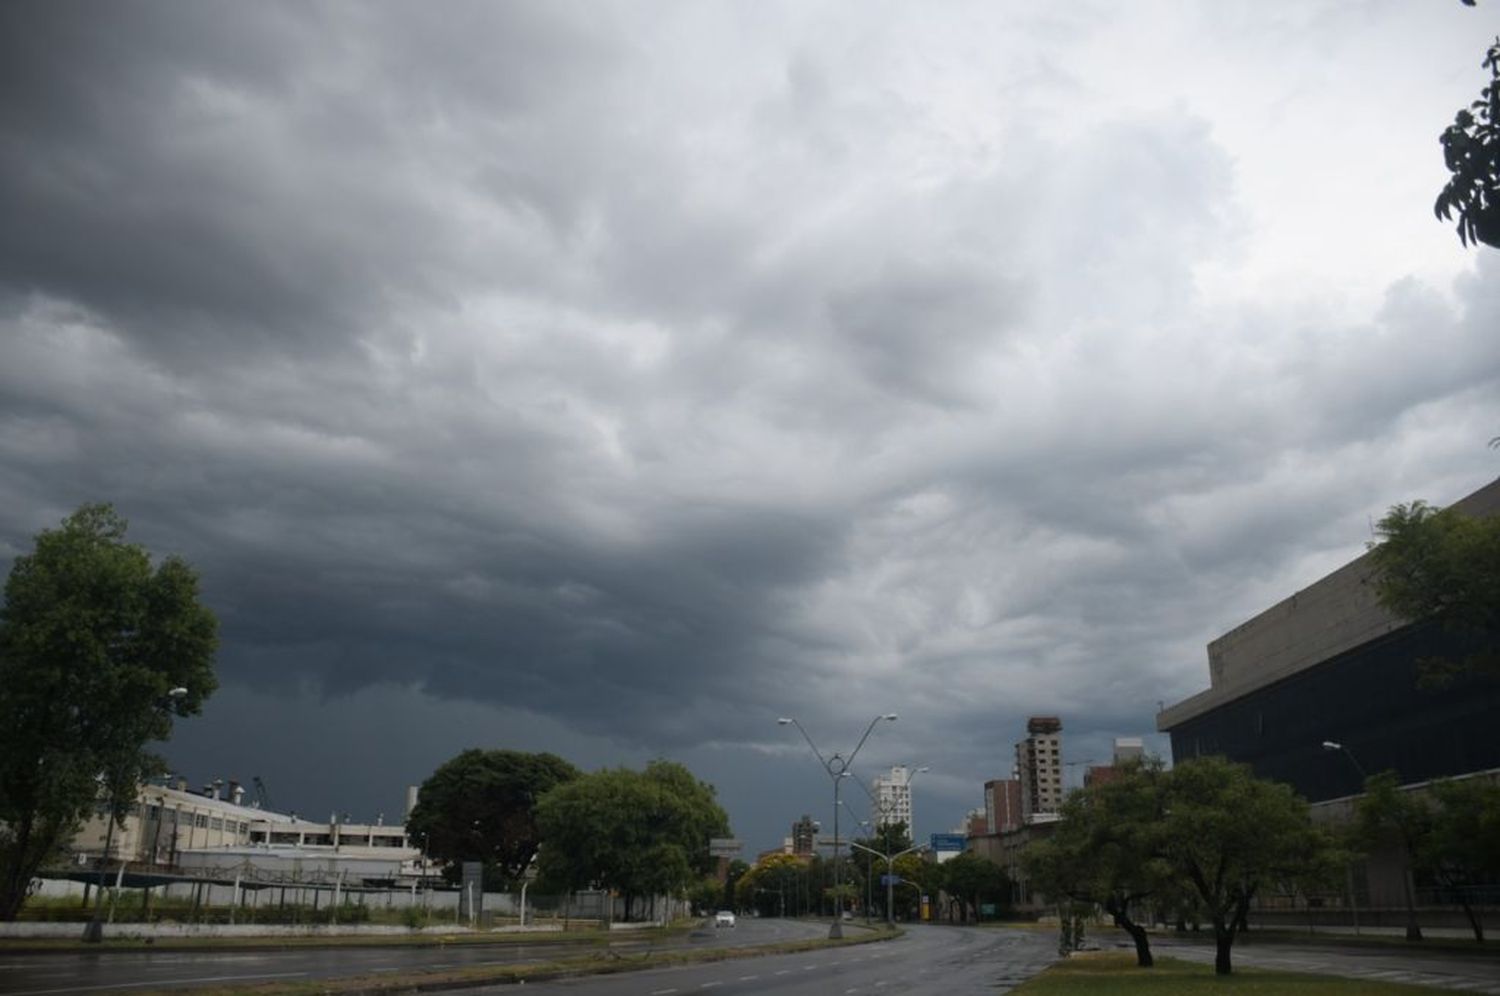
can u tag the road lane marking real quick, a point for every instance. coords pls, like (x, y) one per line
(748, 978)
(159, 982)
(785, 971)
(662, 992)
(709, 985)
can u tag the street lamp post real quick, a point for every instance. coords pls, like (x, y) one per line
(890, 875)
(837, 767)
(1334, 745)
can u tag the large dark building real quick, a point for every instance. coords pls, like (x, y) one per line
(1329, 664)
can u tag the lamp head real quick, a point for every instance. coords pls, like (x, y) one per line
(176, 693)
(783, 721)
(890, 716)
(1332, 745)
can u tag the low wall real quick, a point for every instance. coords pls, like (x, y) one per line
(137, 931)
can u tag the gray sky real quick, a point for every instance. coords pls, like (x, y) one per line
(614, 378)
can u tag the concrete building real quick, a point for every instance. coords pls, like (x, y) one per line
(1002, 805)
(892, 802)
(173, 828)
(1127, 750)
(1330, 665)
(1039, 767)
(804, 839)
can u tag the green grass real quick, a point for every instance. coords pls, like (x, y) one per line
(602, 963)
(1112, 972)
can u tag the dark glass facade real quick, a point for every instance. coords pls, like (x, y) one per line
(1370, 700)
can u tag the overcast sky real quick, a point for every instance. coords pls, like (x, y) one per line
(612, 379)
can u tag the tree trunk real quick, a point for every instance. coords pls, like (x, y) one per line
(1121, 913)
(1476, 922)
(1223, 941)
(1413, 928)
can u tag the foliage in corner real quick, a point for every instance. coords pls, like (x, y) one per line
(1471, 151)
(1441, 566)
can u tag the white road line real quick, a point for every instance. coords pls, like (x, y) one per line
(808, 968)
(748, 978)
(662, 992)
(709, 985)
(160, 982)
(785, 971)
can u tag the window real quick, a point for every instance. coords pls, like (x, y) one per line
(216, 824)
(200, 820)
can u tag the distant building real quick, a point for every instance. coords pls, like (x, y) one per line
(1002, 805)
(1127, 750)
(804, 837)
(1039, 767)
(892, 803)
(172, 827)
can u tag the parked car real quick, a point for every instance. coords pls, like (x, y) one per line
(724, 918)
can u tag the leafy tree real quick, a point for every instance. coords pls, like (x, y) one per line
(1107, 850)
(1453, 834)
(737, 868)
(94, 639)
(1463, 851)
(1228, 834)
(1442, 566)
(971, 879)
(641, 833)
(1386, 815)
(1471, 152)
(772, 885)
(480, 806)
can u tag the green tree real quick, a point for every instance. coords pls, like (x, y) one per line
(1444, 567)
(1387, 816)
(1463, 850)
(1106, 850)
(1228, 834)
(972, 879)
(94, 640)
(736, 870)
(641, 833)
(1471, 152)
(772, 885)
(481, 806)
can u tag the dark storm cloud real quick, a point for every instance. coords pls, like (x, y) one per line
(612, 383)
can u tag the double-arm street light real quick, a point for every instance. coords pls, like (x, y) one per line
(837, 767)
(890, 874)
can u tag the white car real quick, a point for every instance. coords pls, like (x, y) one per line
(724, 918)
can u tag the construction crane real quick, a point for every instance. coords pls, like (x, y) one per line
(262, 797)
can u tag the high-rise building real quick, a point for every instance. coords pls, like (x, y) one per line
(1129, 749)
(804, 836)
(893, 798)
(1039, 767)
(1002, 805)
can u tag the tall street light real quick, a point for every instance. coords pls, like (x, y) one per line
(837, 767)
(1334, 745)
(890, 875)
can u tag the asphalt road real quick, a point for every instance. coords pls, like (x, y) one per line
(1469, 972)
(940, 961)
(61, 973)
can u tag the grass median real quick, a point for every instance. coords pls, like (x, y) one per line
(594, 963)
(1106, 973)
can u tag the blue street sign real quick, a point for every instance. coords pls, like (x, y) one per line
(948, 841)
(890, 880)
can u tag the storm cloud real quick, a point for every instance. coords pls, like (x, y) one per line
(612, 379)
